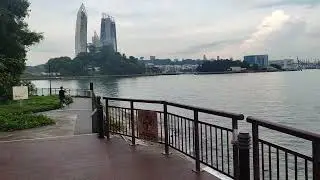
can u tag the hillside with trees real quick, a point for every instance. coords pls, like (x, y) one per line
(102, 62)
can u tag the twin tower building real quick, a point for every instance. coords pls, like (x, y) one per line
(108, 36)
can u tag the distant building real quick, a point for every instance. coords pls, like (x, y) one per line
(108, 34)
(286, 64)
(205, 57)
(260, 60)
(152, 58)
(81, 31)
(96, 40)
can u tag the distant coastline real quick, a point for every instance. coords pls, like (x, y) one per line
(136, 75)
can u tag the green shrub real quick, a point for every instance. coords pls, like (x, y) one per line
(16, 116)
(12, 122)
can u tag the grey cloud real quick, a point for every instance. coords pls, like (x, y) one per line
(309, 3)
(210, 46)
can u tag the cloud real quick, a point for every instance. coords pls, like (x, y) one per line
(169, 29)
(269, 25)
(209, 46)
(276, 3)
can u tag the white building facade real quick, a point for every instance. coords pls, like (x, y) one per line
(81, 31)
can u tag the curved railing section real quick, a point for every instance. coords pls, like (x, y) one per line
(272, 161)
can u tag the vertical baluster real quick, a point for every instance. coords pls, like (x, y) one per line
(166, 129)
(189, 131)
(255, 151)
(172, 130)
(295, 168)
(262, 160)
(221, 136)
(211, 147)
(107, 119)
(278, 168)
(185, 135)
(175, 132)
(160, 123)
(228, 152)
(181, 129)
(286, 164)
(217, 160)
(178, 136)
(132, 123)
(270, 170)
(306, 169)
(196, 140)
(206, 139)
(201, 144)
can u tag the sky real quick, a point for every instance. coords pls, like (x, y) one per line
(184, 28)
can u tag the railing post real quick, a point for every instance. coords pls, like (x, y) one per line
(316, 159)
(92, 96)
(166, 129)
(255, 151)
(107, 119)
(100, 118)
(196, 140)
(235, 149)
(244, 156)
(132, 123)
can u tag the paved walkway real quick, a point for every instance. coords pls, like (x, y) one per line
(86, 157)
(72, 120)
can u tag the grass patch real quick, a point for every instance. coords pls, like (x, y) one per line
(14, 116)
(13, 122)
(33, 105)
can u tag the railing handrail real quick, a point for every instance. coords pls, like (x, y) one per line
(135, 100)
(209, 111)
(199, 109)
(285, 129)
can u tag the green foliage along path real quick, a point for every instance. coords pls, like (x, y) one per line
(15, 117)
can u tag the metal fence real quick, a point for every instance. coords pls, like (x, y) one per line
(272, 161)
(204, 142)
(55, 91)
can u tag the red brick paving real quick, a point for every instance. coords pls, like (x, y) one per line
(88, 158)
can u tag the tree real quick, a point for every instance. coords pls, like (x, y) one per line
(15, 37)
(106, 60)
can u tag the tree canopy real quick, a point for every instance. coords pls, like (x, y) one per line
(105, 61)
(15, 37)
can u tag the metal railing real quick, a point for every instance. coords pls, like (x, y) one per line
(202, 141)
(272, 161)
(55, 91)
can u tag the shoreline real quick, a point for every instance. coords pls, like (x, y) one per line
(138, 75)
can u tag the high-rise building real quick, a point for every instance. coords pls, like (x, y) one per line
(108, 34)
(260, 60)
(96, 40)
(81, 31)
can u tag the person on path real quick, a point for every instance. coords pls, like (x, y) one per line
(62, 96)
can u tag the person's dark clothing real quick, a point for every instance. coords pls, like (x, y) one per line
(61, 94)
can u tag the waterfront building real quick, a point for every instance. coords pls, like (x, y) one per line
(81, 31)
(260, 60)
(286, 64)
(108, 34)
